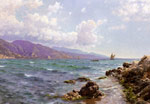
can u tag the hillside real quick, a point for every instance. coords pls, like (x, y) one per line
(26, 49)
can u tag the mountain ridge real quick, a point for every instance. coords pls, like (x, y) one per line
(28, 50)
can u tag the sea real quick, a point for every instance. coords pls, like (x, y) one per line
(42, 81)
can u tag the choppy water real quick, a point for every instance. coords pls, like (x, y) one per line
(29, 81)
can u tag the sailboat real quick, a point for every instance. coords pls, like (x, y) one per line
(112, 56)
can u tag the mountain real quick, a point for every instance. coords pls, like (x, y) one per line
(5, 50)
(31, 50)
(26, 49)
(81, 54)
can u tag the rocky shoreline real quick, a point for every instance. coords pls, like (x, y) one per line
(135, 78)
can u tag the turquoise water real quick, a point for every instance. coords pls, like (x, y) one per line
(29, 81)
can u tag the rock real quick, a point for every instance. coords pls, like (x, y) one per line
(145, 93)
(74, 95)
(126, 65)
(102, 77)
(90, 90)
(83, 79)
(142, 102)
(113, 72)
(70, 81)
(135, 78)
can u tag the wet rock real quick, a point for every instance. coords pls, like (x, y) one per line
(90, 90)
(113, 72)
(73, 95)
(70, 81)
(145, 93)
(135, 78)
(142, 102)
(83, 79)
(126, 65)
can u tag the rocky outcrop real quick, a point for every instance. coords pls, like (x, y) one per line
(73, 95)
(90, 90)
(135, 77)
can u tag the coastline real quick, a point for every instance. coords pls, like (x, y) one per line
(111, 86)
(135, 78)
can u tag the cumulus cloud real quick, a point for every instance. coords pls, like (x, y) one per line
(86, 33)
(37, 27)
(8, 21)
(83, 10)
(135, 10)
(41, 28)
(55, 8)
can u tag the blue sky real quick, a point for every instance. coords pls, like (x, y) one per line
(101, 26)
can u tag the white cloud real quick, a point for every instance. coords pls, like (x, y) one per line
(83, 10)
(133, 10)
(8, 21)
(43, 28)
(33, 3)
(55, 8)
(119, 27)
(86, 33)
(70, 13)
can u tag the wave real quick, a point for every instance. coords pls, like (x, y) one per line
(28, 75)
(31, 62)
(74, 67)
(50, 69)
(2, 66)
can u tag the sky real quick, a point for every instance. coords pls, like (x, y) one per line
(101, 26)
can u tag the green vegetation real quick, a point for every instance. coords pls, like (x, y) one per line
(52, 96)
(131, 97)
(103, 77)
(74, 98)
(128, 91)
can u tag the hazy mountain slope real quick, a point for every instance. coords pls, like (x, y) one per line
(81, 54)
(28, 49)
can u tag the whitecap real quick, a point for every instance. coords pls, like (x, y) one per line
(50, 69)
(28, 75)
(1, 66)
(31, 62)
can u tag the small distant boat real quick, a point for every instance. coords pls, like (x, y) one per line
(112, 56)
(95, 60)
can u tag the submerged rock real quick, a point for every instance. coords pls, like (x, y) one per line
(83, 79)
(70, 81)
(90, 90)
(80, 79)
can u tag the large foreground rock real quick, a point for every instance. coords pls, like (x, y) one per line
(90, 90)
(135, 77)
